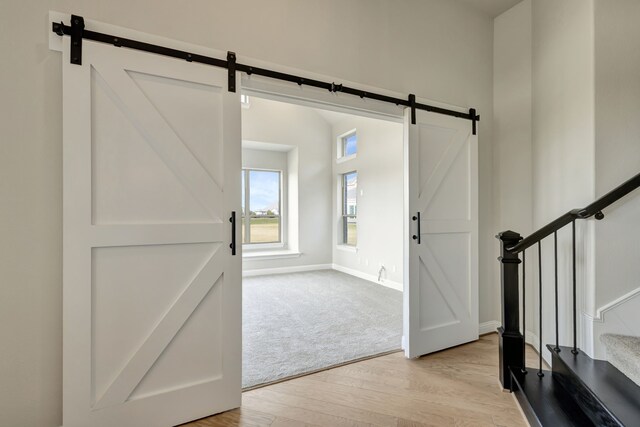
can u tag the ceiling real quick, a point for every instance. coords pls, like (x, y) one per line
(492, 8)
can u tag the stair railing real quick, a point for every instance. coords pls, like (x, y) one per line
(512, 340)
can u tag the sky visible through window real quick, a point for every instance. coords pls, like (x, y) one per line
(264, 191)
(350, 145)
(351, 181)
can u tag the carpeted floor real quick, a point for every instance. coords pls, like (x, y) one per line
(301, 322)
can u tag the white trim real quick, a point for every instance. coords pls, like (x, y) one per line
(340, 146)
(533, 340)
(488, 327)
(347, 248)
(370, 277)
(599, 317)
(284, 270)
(266, 255)
(594, 326)
(340, 160)
(263, 247)
(588, 344)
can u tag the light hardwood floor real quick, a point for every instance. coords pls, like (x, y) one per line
(455, 387)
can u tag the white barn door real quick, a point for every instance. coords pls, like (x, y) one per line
(152, 294)
(441, 287)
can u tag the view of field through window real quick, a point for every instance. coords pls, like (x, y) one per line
(261, 194)
(349, 208)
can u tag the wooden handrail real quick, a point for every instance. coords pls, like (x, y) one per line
(594, 208)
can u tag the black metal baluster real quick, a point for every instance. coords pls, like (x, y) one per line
(555, 255)
(540, 374)
(524, 316)
(575, 326)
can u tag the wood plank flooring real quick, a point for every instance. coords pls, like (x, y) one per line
(456, 387)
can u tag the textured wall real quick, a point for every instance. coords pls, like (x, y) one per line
(438, 49)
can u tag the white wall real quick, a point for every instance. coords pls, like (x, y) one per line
(303, 129)
(554, 167)
(512, 119)
(512, 103)
(617, 158)
(437, 49)
(585, 102)
(563, 152)
(380, 166)
(617, 151)
(270, 125)
(563, 107)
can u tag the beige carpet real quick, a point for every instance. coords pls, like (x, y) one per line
(302, 322)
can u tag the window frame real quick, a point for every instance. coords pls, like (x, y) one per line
(342, 155)
(245, 101)
(345, 214)
(246, 224)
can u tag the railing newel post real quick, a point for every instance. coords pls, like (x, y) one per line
(511, 351)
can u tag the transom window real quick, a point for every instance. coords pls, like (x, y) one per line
(348, 144)
(350, 208)
(261, 206)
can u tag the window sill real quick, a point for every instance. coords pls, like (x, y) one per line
(264, 255)
(347, 248)
(345, 158)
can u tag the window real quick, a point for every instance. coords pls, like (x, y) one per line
(349, 208)
(261, 206)
(348, 145)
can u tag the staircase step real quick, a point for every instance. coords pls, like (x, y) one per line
(545, 403)
(603, 393)
(623, 352)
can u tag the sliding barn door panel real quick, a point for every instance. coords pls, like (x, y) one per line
(152, 294)
(442, 291)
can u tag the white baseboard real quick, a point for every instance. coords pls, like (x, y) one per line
(284, 270)
(488, 327)
(370, 277)
(533, 340)
(297, 269)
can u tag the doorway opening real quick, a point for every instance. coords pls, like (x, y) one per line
(322, 238)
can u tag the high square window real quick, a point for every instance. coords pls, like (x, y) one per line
(348, 145)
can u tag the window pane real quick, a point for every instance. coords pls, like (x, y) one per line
(350, 206)
(264, 206)
(352, 232)
(350, 144)
(243, 195)
(264, 192)
(265, 229)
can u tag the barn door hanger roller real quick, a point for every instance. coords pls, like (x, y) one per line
(77, 32)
